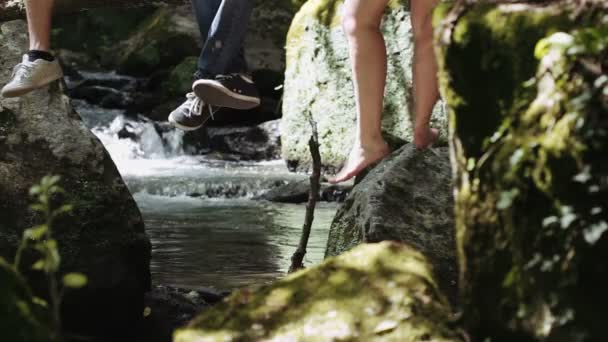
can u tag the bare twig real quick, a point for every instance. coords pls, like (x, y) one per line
(313, 194)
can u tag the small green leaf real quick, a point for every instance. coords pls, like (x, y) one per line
(35, 233)
(40, 301)
(506, 199)
(35, 190)
(39, 265)
(38, 207)
(595, 232)
(75, 280)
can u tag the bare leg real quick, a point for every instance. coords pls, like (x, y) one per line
(362, 19)
(39, 14)
(426, 88)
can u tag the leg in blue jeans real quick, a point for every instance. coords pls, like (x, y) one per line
(223, 24)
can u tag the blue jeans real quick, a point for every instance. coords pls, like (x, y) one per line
(223, 24)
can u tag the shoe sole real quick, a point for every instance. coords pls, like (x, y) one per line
(213, 93)
(182, 127)
(24, 91)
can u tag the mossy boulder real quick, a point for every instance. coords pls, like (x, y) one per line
(529, 125)
(179, 81)
(162, 41)
(379, 292)
(406, 198)
(318, 82)
(21, 318)
(104, 237)
(97, 31)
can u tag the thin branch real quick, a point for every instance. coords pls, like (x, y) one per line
(315, 184)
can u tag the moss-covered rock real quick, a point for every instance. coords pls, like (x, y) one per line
(318, 82)
(161, 41)
(21, 318)
(97, 31)
(179, 81)
(529, 139)
(381, 292)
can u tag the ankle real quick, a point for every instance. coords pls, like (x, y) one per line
(34, 55)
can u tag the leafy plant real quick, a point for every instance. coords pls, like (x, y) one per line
(40, 239)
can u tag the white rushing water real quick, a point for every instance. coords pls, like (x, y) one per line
(205, 226)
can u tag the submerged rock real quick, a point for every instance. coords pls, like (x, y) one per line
(407, 198)
(531, 168)
(297, 192)
(382, 292)
(318, 81)
(104, 236)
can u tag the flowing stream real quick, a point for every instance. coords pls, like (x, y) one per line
(207, 229)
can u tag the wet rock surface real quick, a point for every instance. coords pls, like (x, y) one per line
(298, 192)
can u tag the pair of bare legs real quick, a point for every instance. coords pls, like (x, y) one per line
(361, 21)
(39, 13)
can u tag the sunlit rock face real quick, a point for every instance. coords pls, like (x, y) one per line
(379, 292)
(530, 135)
(104, 237)
(318, 81)
(405, 198)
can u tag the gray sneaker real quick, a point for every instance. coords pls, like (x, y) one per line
(28, 76)
(191, 115)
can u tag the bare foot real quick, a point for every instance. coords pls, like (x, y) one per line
(425, 137)
(360, 158)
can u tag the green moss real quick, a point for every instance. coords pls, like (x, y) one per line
(158, 42)
(381, 292)
(529, 167)
(179, 81)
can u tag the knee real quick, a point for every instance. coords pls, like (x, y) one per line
(354, 25)
(422, 28)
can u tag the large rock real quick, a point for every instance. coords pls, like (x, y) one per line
(406, 198)
(531, 168)
(104, 237)
(382, 292)
(318, 81)
(163, 40)
(21, 318)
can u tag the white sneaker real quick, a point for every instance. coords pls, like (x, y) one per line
(28, 76)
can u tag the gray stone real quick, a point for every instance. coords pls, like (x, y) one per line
(297, 192)
(408, 198)
(104, 236)
(260, 142)
(318, 81)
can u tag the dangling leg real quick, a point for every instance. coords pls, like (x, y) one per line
(362, 19)
(39, 23)
(426, 88)
(38, 67)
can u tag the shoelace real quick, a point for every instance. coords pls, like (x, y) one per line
(197, 105)
(22, 70)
